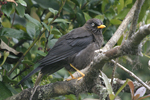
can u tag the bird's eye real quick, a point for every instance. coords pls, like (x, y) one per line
(92, 24)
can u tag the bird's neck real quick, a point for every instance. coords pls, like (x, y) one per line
(98, 39)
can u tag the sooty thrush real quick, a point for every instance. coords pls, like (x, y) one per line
(75, 48)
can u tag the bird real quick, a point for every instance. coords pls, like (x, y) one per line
(74, 50)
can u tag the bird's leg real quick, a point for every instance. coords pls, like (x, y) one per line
(77, 71)
(71, 75)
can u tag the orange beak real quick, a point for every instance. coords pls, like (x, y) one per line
(101, 26)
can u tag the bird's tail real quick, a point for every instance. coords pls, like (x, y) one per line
(31, 73)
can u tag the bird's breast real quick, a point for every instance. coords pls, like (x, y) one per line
(83, 58)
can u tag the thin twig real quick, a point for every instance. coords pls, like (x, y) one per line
(46, 41)
(42, 15)
(84, 5)
(34, 90)
(13, 19)
(131, 74)
(58, 12)
(21, 72)
(113, 74)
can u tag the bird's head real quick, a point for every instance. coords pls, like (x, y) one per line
(94, 25)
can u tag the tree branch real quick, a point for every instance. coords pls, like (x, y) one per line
(71, 87)
(130, 46)
(132, 74)
(135, 17)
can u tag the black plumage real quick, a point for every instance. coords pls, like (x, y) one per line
(76, 47)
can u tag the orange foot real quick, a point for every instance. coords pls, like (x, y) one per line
(78, 78)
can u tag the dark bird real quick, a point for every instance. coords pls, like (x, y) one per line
(74, 50)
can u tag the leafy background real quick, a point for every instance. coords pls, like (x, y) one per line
(21, 25)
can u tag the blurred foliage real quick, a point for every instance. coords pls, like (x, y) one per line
(21, 24)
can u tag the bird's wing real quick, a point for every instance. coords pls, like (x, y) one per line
(67, 46)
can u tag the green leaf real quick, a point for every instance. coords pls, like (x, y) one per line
(120, 5)
(53, 11)
(12, 56)
(12, 89)
(30, 27)
(28, 62)
(72, 97)
(111, 96)
(8, 80)
(36, 22)
(95, 12)
(87, 16)
(47, 33)
(61, 20)
(20, 9)
(51, 42)
(7, 9)
(7, 66)
(41, 53)
(56, 32)
(80, 18)
(4, 91)
(80, 2)
(107, 84)
(127, 2)
(115, 21)
(68, 8)
(65, 26)
(122, 87)
(13, 33)
(22, 2)
(36, 65)
(101, 17)
(120, 40)
(51, 36)
(104, 5)
(148, 21)
(47, 27)
(122, 14)
(144, 8)
(110, 13)
(58, 20)
(47, 3)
